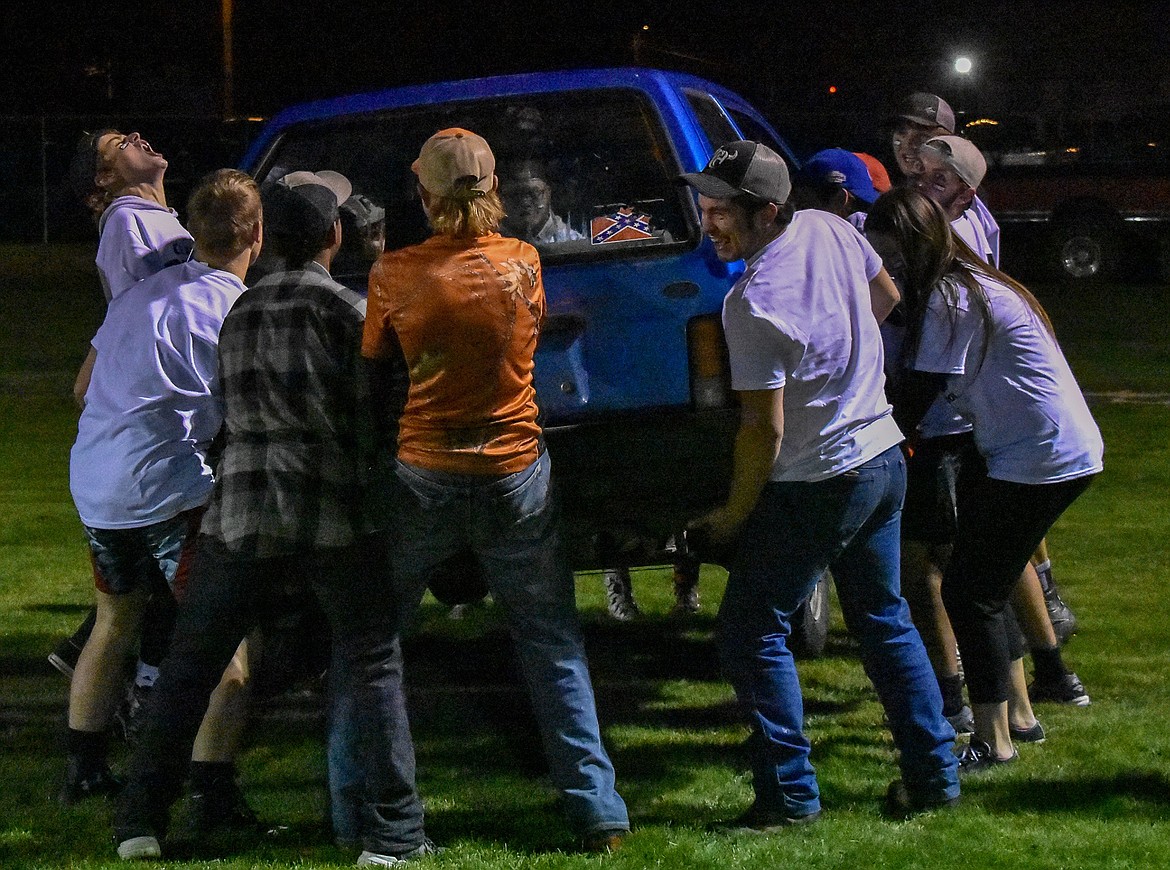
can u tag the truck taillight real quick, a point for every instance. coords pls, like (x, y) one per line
(710, 372)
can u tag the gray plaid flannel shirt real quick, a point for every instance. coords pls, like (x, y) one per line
(296, 470)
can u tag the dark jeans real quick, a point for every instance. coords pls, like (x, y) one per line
(849, 523)
(1000, 524)
(226, 598)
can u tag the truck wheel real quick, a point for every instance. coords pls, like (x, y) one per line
(810, 623)
(458, 580)
(1083, 250)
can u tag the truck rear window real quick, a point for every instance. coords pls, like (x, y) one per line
(582, 174)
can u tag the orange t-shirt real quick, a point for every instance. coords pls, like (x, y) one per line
(467, 313)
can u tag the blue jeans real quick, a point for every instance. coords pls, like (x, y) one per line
(510, 523)
(850, 524)
(343, 756)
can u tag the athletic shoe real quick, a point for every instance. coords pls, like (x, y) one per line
(139, 849)
(760, 821)
(1035, 734)
(376, 859)
(963, 722)
(901, 803)
(619, 595)
(1067, 690)
(977, 756)
(78, 786)
(1064, 621)
(130, 713)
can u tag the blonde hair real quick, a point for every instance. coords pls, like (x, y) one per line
(223, 211)
(466, 217)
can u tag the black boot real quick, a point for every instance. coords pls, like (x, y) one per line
(86, 772)
(217, 804)
(619, 595)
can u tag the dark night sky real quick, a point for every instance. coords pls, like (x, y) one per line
(69, 58)
(1055, 69)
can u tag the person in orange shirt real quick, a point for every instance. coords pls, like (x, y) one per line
(463, 311)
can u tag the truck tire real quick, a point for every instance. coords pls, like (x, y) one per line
(458, 580)
(810, 623)
(1083, 250)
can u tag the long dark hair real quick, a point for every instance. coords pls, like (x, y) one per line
(936, 258)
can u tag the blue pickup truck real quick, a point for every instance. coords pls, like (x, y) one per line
(631, 370)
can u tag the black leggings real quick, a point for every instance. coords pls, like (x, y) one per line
(1000, 524)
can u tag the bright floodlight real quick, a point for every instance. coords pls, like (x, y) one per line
(963, 65)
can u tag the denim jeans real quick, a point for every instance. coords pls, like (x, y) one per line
(227, 596)
(343, 757)
(510, 523)
(850, 524)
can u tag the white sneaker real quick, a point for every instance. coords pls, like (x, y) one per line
(139, 849)
(374, 859)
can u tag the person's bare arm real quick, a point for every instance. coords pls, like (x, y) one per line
(81, 382)
(883, 295)
(757, 443)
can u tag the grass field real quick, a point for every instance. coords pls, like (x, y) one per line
(1096, 794)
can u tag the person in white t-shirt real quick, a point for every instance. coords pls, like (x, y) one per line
(1045, 617)
(817, 483)
(919, 118)
(119, 179)
(952, 170)
(527, 196)
(982, 341)
(139, 470)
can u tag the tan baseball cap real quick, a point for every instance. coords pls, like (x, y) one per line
(456, 162)
(962, 156)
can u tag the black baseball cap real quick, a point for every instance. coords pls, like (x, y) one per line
(304, 203)
(742, 167)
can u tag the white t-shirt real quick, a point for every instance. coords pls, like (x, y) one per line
(138, 238)
(979, 230)
(977, 227)
(1030, 420)
(800, 318)
(152, 407)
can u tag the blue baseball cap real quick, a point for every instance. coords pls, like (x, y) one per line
(838, 166)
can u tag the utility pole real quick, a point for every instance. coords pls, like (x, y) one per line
(228, 62)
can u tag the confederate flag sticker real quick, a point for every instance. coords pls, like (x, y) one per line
(624, 225)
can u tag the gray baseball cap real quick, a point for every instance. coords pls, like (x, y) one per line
(929, 110)
(962, 156)
(743, 167)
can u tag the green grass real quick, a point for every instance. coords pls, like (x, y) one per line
(1096, 794)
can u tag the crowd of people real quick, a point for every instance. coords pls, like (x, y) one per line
(908, 422)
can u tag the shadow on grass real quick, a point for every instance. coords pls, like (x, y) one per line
(26, 655)
(54, 607)
(480, 756)
(1125, 794)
